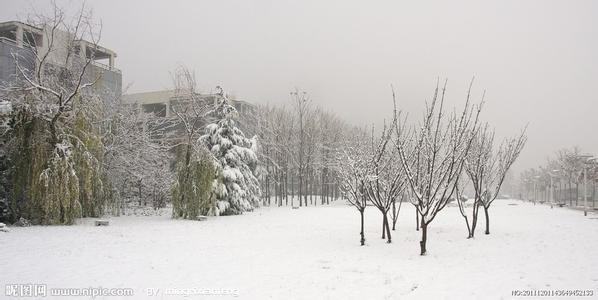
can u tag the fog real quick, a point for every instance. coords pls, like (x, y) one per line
(535, 59)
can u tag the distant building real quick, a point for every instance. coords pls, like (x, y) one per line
(162, 104)
(24, 40)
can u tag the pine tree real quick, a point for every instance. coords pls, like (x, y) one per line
(236, 186)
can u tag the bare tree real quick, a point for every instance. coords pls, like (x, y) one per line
(397, 209)
(478, 166)
(385, 181)
(352, 167)
(571, 165)
(461, 200)
(488, 168)
(59, 85)
(302, 105)
(132, 158)
(432, 155)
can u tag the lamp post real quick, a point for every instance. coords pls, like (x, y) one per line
(526, 188)
(587, 160)
(552, 175)
(536, 188)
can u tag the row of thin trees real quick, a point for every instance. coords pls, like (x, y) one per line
(561, 179)
(297, 151)
(428, 163)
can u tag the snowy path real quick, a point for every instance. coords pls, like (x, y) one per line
(313, 253)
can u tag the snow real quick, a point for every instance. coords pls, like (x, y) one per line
(313, 253)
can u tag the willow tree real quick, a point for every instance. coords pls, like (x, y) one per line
(192, 190)
(55, 172)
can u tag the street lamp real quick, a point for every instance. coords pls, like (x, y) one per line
(526, 183)
(587, 160)
(536, 188)
(552, 175)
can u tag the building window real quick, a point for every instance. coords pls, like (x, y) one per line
(157, 109)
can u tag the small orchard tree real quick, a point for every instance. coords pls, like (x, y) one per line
(477, 168)
(385, 181)
(487, 168)
(432, 156)
(396, 209)
(352, 168)
(461, 200)
(236, 187)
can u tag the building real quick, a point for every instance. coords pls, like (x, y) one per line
(162, 105)
(22, 40)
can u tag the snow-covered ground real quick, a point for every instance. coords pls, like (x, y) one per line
(313, 253)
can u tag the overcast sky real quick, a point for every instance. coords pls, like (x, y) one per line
(537, 60)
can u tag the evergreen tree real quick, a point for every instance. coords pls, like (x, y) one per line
(236, 186)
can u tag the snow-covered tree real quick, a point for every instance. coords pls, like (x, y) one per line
(432, 155)
(352, 166)
(192, 190)
(487, 168)
(385, 181)
(303, 110)
(138, 167)
(571, 166)
(53, 141)
(236, 187)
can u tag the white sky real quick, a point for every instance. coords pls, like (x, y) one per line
(536, 59)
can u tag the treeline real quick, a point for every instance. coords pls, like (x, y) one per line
(297, 150)
(567, 178)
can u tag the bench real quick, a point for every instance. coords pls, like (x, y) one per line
(102, 222)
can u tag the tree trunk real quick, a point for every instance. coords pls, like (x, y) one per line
(286, 188)
(576, 193)
(383, 226)
(422, 243)
(362, 241)
(487, 220)
(570, 196)
(387, 228)
(469, 234)
(311, 188)
(139, 191)
(293, 192)
(416, 220)
(474, 221)
(394, 218)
